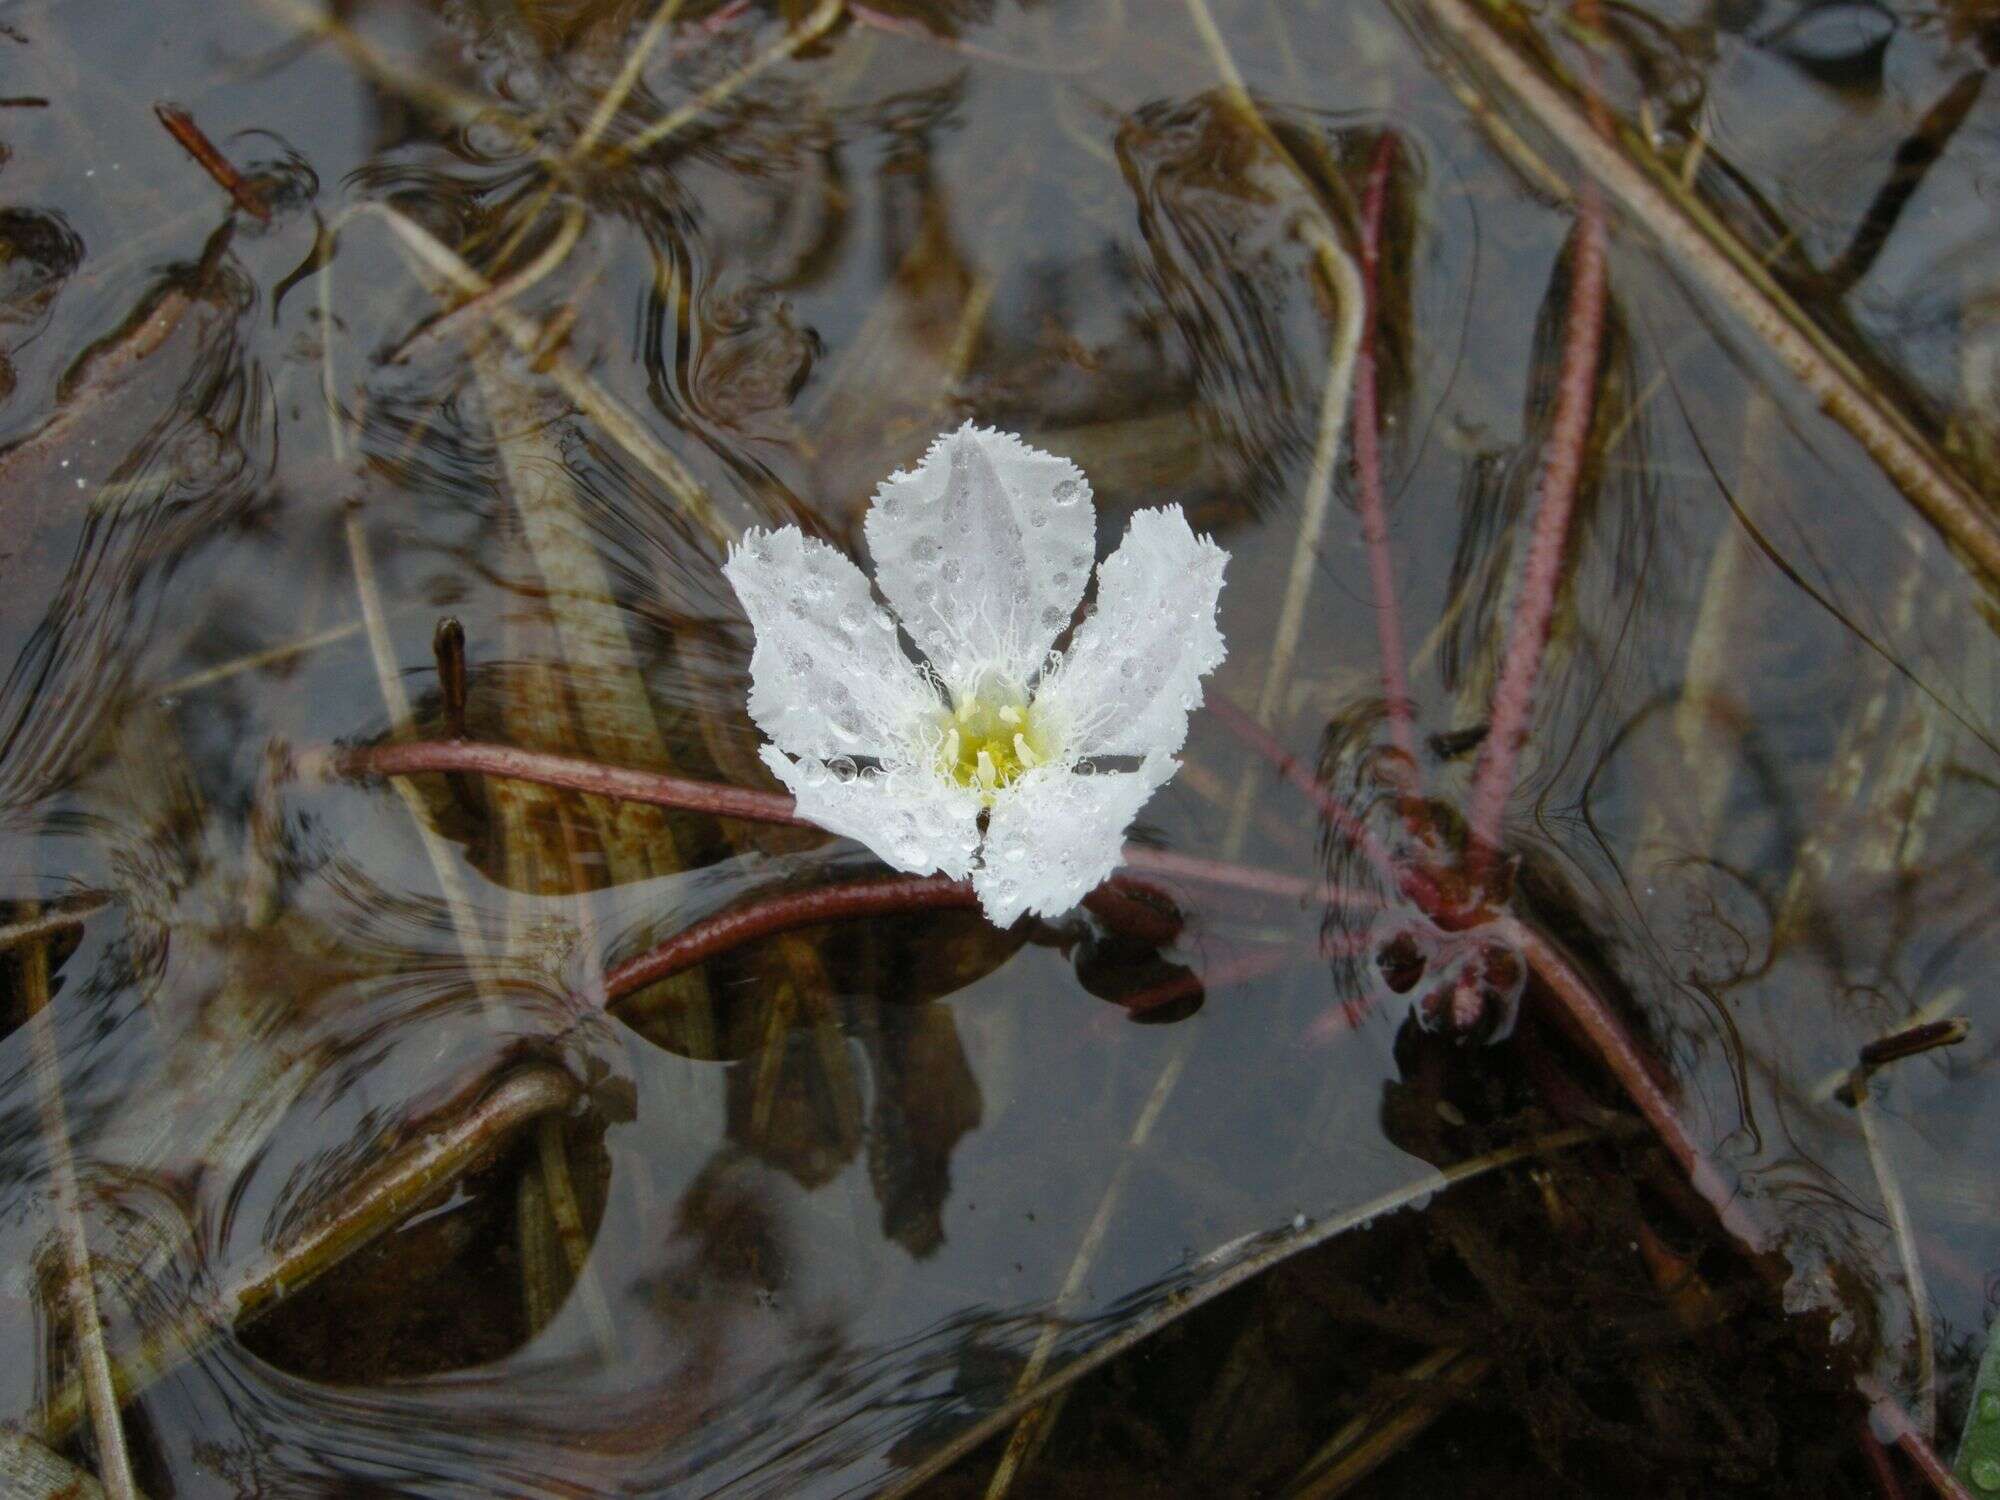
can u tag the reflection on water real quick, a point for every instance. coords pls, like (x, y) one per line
(381, 1196)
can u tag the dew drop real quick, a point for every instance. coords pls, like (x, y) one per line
(853, 618)
(1052, 618)
(923, 550)
(1059, 579)
(1038, 519)
(842, 768)
(1066, 492)
(1986, 1473)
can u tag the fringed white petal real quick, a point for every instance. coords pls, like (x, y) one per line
(913, 818)
(1054, 834)
(983, 551)
(1134, 670)
(828, 676)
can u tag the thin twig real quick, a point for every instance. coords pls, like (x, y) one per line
(222, 671)
(530, 339)
(1914, 1285)
(628, 77)
(388, 679)
(815, 25)
(1340, 272)
(181, 126)
(1239, 1262)
(1367, 1442)
(79, 1281)
(460, 319)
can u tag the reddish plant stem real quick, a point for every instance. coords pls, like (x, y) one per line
(1889, 1415)
(1339, 816)
(808, 908)
(1114, 902)
(1542, 572)
(1167, 864)
(1608, 1037)
(1886, 1482)
(684, 792)
(416, 757)
(1368, 461)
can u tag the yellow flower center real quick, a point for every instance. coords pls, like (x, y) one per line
(988, 741)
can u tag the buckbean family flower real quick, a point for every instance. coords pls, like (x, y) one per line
(1002, 758)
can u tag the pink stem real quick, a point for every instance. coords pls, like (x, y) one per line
(1368, 462)
(1886, 1482)
(1608, 1037)
(827, 903)
(1541, 575)
(1889, 1416)
(1169, 865)
(416, 757)
(1338, 815)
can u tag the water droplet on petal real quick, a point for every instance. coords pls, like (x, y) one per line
(1986, 1473)
(842, 768)
(1066, 492)
(923, 550)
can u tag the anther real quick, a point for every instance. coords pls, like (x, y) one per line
(989, 774)
(1023, 754)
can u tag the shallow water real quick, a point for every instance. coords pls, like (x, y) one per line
(834, 1183)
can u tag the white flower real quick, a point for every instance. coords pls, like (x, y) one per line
(982, 551)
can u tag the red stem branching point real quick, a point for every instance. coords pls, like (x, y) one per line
(1542, 571)
(1368, 461)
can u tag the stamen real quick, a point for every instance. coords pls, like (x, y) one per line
(966, 710)
(1024, 754)
(989, 774)
(1009, 714)
(951, 746)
